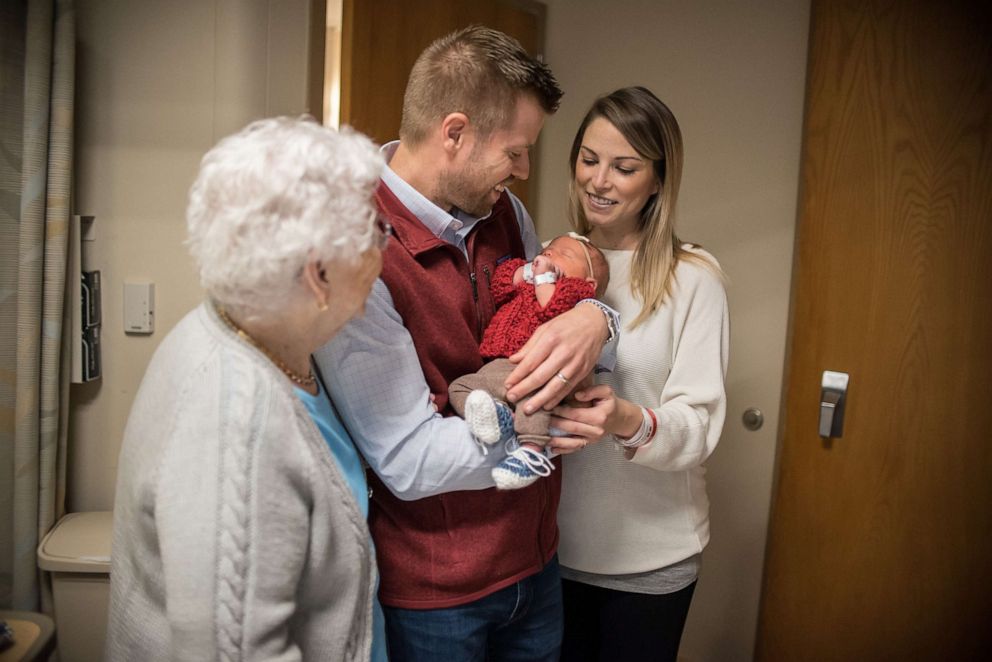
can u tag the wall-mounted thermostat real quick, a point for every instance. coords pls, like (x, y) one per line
(139, 307)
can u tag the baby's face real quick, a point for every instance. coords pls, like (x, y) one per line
(568, 255)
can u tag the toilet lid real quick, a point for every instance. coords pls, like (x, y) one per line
(79, 542)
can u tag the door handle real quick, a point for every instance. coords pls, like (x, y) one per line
(833, 396)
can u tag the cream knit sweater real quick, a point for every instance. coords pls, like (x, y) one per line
(620, 516)
(235, 535)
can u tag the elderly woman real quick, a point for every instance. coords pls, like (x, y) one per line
(239, 524)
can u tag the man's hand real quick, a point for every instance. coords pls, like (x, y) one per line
(568, 346)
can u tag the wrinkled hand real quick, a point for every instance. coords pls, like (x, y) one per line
(569, 344)
(585, 418)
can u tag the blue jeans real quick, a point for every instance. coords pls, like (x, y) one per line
(522, 622)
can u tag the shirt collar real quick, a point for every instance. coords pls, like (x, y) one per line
(440, 222)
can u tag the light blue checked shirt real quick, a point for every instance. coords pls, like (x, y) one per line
(375, 379)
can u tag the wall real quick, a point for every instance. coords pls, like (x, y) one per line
(158, 84)
(733, 73)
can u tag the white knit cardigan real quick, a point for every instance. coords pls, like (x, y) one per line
(235, 535)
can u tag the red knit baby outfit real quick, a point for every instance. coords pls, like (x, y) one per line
(519, 314)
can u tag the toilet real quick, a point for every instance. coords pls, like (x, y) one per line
(77, 554)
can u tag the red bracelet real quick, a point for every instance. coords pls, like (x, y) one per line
(654, 424)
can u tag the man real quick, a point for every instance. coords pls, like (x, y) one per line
(467, 571)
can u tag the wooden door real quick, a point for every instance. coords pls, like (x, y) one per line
(880, 544)
(381, 40)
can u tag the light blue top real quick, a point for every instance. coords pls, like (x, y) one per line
(343, 449)
(374, 376)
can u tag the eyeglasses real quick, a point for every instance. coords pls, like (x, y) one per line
(383, 232)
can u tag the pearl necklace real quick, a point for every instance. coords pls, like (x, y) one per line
(306, 382)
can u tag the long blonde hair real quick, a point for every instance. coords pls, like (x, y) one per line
(651, 129)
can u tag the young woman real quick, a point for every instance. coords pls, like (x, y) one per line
(633, 515)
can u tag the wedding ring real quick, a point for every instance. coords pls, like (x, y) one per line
(563, 378)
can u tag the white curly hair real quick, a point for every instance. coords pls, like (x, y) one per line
(267, 200)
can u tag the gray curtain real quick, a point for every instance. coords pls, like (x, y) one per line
(37, 41)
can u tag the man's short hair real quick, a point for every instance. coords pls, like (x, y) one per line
(477, 71)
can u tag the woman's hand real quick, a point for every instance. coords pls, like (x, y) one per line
(585, 418)
(592, 413)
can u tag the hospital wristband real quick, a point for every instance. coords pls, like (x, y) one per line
(645, 433)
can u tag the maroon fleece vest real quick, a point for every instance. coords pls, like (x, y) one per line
(454, 548)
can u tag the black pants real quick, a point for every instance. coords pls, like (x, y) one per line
(614, 626)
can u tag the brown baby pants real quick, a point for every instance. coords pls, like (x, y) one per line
(532, 428)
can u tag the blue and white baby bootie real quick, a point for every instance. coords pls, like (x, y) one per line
(489, 420)
(521, 467)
